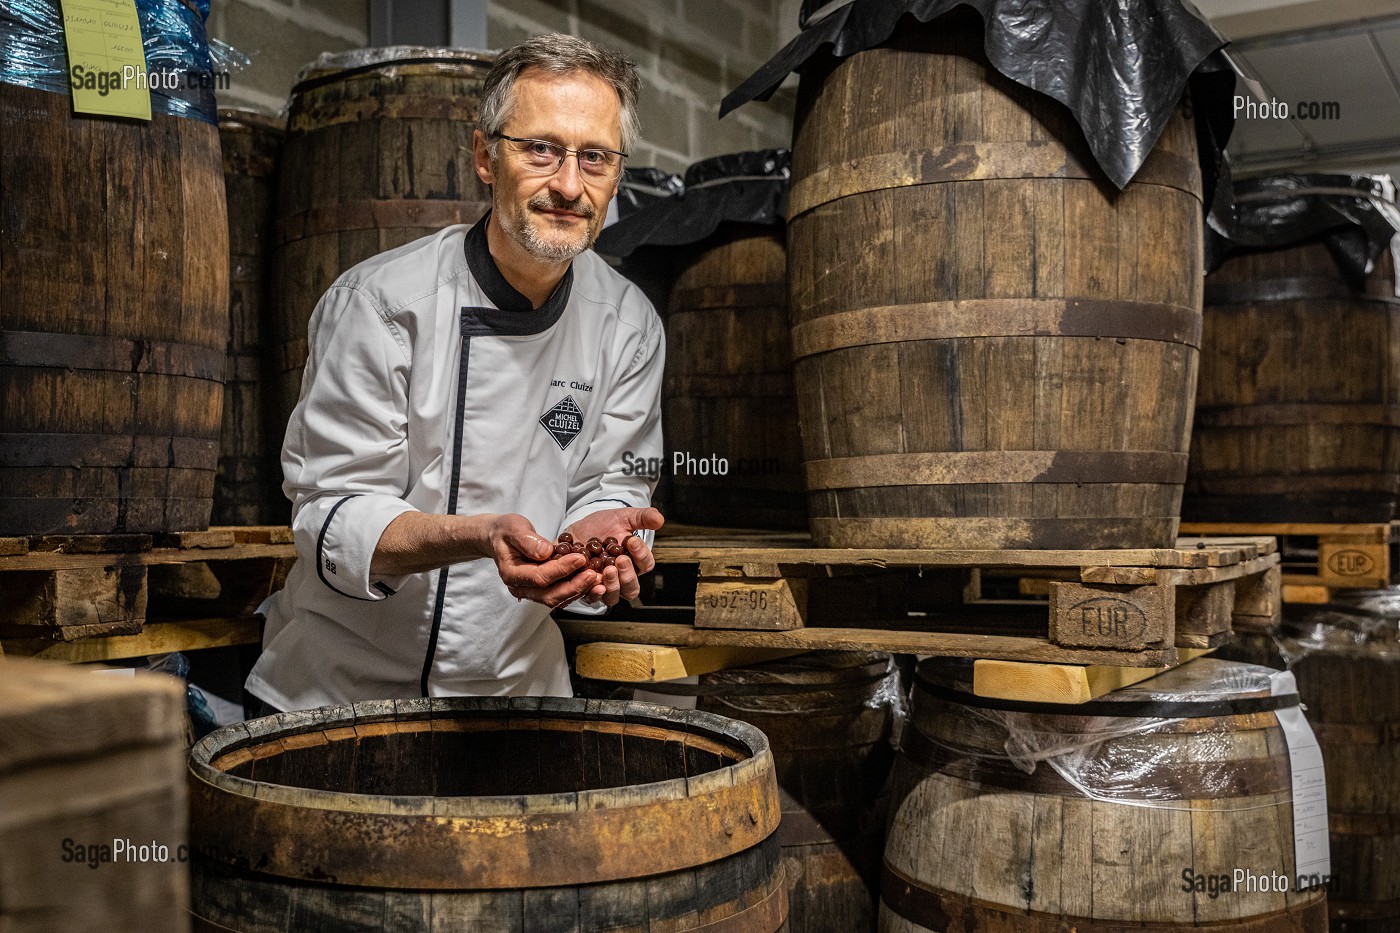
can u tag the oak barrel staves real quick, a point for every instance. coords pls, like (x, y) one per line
(994, 348)
(378, 154)
(114, 271)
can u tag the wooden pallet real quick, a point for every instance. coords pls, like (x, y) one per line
(64, 591)
(1127, 608)
(1320, 558)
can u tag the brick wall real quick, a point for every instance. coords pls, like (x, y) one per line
(690, 54)
(279, 37)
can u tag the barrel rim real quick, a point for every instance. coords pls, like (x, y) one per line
(335, 66)
(286, 725)
(519, 841)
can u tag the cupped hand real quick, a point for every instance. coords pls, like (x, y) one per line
(528, 568)
(620, 581)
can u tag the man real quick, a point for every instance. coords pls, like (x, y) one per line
(466, 398)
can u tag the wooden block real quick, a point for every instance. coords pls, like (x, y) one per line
(211, 538)
(107, 596)
(1203, 611)
(1313, 594)
(184, 581)
(9, 547)
(1259, 602)
(657, 663)
(1353, 564)
(1119, 617)
(744, 603)
(90, 758)
(1061, 683)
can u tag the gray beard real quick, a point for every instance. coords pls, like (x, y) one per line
(519, 229)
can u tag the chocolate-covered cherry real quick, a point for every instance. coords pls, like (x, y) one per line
(595, 547)
(565, 538)
(596, 564)
(614, 549)
(561, 549)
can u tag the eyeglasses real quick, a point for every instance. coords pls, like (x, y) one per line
(542, 157)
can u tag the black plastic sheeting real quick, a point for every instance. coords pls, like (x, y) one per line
(1120, 66)
(744, 187)
(1354, 216)
(642, 187)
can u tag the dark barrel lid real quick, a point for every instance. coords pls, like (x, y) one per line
(1120, 68)
(1353, 215)
(741, 187)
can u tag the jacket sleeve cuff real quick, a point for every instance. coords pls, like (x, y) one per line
(345, 541)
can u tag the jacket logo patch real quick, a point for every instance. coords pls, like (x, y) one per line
(563, 421)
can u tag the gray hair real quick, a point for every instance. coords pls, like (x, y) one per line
(558, 54)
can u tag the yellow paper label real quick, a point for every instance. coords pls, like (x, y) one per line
(106, 59)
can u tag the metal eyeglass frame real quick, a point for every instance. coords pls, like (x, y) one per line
(566, 152)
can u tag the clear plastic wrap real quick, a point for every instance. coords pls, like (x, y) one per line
(1158, 744)
(334, 65)
(1357, 624)
(33, 52)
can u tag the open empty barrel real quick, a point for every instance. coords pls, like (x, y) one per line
(486, 814)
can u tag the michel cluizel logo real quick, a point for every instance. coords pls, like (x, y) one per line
(563, 421)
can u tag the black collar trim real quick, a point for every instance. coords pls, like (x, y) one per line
(517, 315)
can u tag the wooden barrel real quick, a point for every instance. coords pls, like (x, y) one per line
(728, 386)
(827, 717)
(486, 814)
(1199, 790)
(248, 488)
(1349, 678)
(378, 154)
(114, 268)
(1298, 412)
(994, 349)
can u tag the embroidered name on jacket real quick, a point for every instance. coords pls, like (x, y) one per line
(563, 421)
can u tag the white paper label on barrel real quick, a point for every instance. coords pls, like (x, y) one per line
(1314, 860)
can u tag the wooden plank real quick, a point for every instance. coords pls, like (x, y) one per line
(692, 553)
(1370, 531)
(657, 663)
(210, 538)
(1140, 576)
(944, 644)
(257, 534)
(1127, 618)
(155, 638)
(1306, 593)
(1062, 683)
(64, 561)
(90, 544)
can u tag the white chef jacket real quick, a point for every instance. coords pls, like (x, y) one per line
(432, 384)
